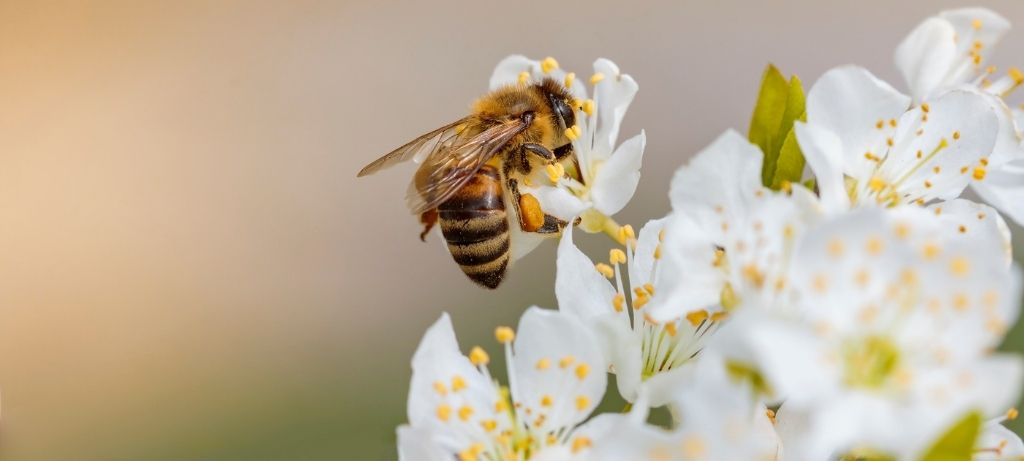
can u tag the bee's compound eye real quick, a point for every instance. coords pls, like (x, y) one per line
(564, 112)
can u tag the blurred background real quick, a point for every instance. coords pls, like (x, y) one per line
(189, 269)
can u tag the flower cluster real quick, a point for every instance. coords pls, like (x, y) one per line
(822, 288)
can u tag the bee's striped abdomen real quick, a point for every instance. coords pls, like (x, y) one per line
(475, 225)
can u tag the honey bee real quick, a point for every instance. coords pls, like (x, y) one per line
(468, 166)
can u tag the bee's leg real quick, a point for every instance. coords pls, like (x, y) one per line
(540, 151)
(428, 219)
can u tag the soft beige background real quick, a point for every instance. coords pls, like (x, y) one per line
(189, 269)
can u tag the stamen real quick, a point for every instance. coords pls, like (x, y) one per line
(696, 317)
(548, 64)
(465, 412)
(979, 173)
(440, 389)
(618, 301)
(594, 79)
(580, 443)
(569, 79)
(504, 335)
(546, 401)
(566, 361)
(444, 412)
(959, 266)
(458, 383)
(544, 364)
(671, 329)
(1012, 414)
(605, 270)
(657, 252)
(524, 77)
(588, 107)
(582, 402)
(582, 370)
(617, 256)
(570, 133)
(956, 135)
(925, 107)
(478, 357)
(555, 171)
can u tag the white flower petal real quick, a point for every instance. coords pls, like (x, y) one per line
(558, 202)
(997, 443)
(580, 289)
(618, 177)
(507, 71)
(612, 96)
(688, 259)
(576, 369)
(418, 445)
(1003, 188)
(823, 151)
(849, 101)
(926, 56)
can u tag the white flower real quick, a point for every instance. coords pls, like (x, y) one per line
(607, 175)
(729, 238)
(949, 51)
(899, 316)
(646, 356)
(556, 378)
(718, 420)
(867, 148)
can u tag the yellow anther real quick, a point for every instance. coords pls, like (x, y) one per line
(472, 453)
(582, 370)
(979, 173)
(931, 251)
(500, 406)
(696, 317)
(649, 288)
(1012, 414)
(671, 328)
(937, 169)
(976, 59)
(569, 133)
(874, 245)
(564, 362)
(657, 252)
(1016, 75)
(551, 439)
(594, 79)
(889, 142)
(444, 412)
(719, 316)
(440, 389)
(960, 266)
(771, 415)
(605, 270)
(546, 401)
(581, 443)
(925, 107)
(880, 124)
(876, 184)
(627, 230)
(978, 45)
(544, 364)
(960, 302)
(588, 107)
(618, 301)
(990, 70)
(489, 425)
(983, 161)
(728, 299)
(582, 403)
(909, 277)
(919, 154)
(694, 447)
(976, 24)
(640, 302)
(836, 248)
(754, 274)
(478, 356)
(956, 135)
(465, 412)
(548, 64)
(555, 171)
(524, 77)
(458, 383)
(719, 258)
(504, 335)
(617, 256)
(927, 183)
(820, 283)
(639, 292)
(962, 229)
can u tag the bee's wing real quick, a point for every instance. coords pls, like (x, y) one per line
(445, 171)
(417, 148)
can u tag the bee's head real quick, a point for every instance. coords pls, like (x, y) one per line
(561, 103)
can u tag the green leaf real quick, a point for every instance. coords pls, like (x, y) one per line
(779, 105)
(957, 444)
(790, 163)
(768, 112)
